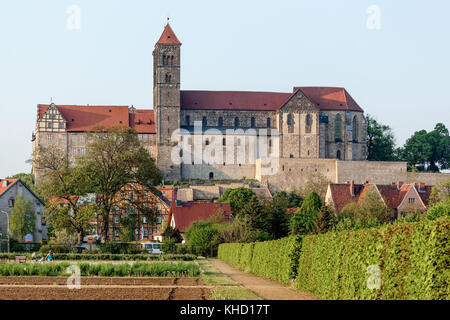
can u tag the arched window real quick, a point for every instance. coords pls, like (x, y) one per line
(355, 129)
(168, 77)
(268, 122)
(188, 120)
(164, 60)
(252, 122)
(204, 123)
(220, 124)
(338, 128)
(171, 60)
(338, 154)
(211, 175)
(236, 122)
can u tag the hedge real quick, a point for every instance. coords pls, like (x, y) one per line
(413, 260)
(270, 259)
(138, 269)
(108, 256)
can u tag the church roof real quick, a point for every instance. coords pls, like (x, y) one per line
(168, 36)
(325, 98)
(85, 118)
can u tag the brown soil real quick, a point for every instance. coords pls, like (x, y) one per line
(265, 288)
(103, 288)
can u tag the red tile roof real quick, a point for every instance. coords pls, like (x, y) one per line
(10, 183)
(324, 98)
(168, 36)
(341, 194)
(232, 100)
(330, 98)
(193, 211)
(85, 118)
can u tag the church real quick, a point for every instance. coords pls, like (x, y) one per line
(306, 124)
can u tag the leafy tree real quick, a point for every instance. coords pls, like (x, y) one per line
(173, 234)
(62, 189)
(201, 236)
(303, 221)
(380, 141)
(277, 219)
(27, 178)
(438, 210)
(428, 150)
(237, 198)
(253, 210)
(325, 220)
(22, 220)
(115, 159)
(287, 200)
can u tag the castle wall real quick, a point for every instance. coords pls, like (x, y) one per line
(429, 178)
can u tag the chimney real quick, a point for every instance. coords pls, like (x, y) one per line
(399, 184)
(366, 182)
(352, 188)
(5, 183)
(421, 187)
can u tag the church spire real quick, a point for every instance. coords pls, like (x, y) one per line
(168, 36)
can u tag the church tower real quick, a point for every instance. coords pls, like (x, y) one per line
(166, 99)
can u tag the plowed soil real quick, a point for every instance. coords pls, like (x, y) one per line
(103, 288)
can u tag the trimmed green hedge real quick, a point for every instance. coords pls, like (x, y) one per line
(137, 269)
(108, 256)
(413, 260)
(270, 259)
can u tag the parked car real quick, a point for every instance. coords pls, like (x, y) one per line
(152, 247)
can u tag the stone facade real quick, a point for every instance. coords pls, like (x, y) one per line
(7, 200)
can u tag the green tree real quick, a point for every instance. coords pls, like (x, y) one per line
(173, 234)
(201, 236)
(325, 220)
(22, 220)
(62, 186)
(115, 159)
(303, 221)
(380, 141)
(438, 210)
(237, 198)
(428, 150)
(311, 205)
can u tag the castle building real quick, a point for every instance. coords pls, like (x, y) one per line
(308, 123)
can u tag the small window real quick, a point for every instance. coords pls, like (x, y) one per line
(268, 122)
(211, 175)
(252, 122)
(308, 120)
(49, 125)
(236, 122)
(116, 219)
(145, 232)
(61, 125)
(204, 122)
(116, 233)
(144, 219)
(338, 155)
(411, 200)
(11, 202)
(158, 219)
(188, 120)
(289, 119)
(220, 122)
(224, 141)
(49, 138)
(238, 142)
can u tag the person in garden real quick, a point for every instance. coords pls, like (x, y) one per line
(49, 257)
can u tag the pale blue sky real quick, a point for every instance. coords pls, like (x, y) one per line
(399, 73)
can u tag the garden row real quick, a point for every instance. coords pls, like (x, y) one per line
(108, 256)
(406, 260)
(138, 269)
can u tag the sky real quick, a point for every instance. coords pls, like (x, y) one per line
(391, 56)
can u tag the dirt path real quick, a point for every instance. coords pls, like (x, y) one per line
(266, 289)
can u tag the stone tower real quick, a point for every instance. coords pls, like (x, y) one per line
(166, 99)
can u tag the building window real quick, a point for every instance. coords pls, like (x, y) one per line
(74, 151)
(252, 122)
(145, 230)
(189, 141)
(220, 123)
(49, 138)
(158, 206)
(308, 120)
(82, 139)
(238, 142)
(11, 202)
(224, 141)
(116, 233)
(158, 219)
(268, 122)
(43, 221)
(168, 78)
(49, 125)
(82, 152)
(207, 141)
(411, 200)
(74, 138)
(204, 123)
(188, 120)
(338, 155)
(116, 219)
(355, 129)
(338, 128)
(61, 125)
(211, 175)
(289, 119)
(144, 219)
(236, 122)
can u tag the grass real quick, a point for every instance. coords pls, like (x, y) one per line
(224, 287)
(107, 256)
(137, 269)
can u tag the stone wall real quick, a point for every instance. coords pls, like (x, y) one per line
(429, 178)
(380, 172)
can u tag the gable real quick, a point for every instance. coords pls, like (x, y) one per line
(298, 102)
